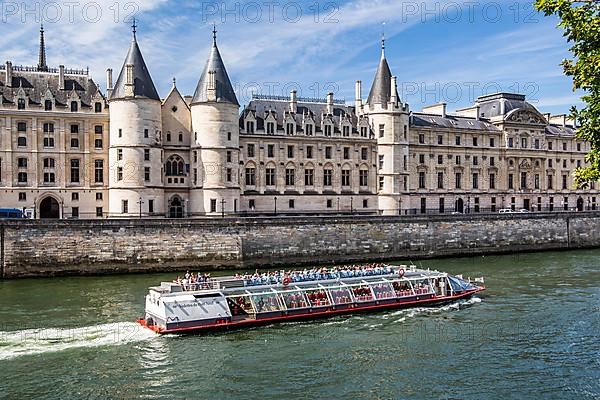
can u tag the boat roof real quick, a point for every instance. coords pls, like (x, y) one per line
(228, 285)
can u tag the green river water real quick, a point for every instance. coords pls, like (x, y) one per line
(534, 334)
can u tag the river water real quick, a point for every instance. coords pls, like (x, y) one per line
(533, 334)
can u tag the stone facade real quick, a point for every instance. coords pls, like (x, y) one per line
(66, 150)
(42, 248)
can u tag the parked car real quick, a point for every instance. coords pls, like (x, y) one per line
(506, 211)
(523, 210)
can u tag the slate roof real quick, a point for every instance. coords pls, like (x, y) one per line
(143, 85)
(560, 130)
(262, 107)
(499, 104)
(36, 84)
(225, 92)
(381, 89)
(450, 121)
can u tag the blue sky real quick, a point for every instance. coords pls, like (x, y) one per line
(439, 50)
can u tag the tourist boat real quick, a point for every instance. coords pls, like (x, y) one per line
(238, 302)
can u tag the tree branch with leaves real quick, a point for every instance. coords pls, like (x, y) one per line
(580, 21)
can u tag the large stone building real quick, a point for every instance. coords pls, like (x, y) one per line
(68, 150)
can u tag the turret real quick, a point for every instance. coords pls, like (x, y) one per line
(135, 153)
(215, 133)
(390, 120)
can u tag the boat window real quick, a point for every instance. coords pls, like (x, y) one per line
(383, 290)
(318, 298)
(294, 299)
(402, 288)
(341, 295)
(422, 286)
(362, 293)
(266, 302)
(240, 305)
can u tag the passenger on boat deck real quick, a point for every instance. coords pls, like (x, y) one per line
(193, 282)
(337, 272)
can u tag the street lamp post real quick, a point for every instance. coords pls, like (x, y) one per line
(468, 204)
(275, 206)
(140, 202)
(223, 208)
(338, 205)
(351, 205)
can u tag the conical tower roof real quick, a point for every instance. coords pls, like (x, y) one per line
(143, 85)
(381, 89)
(224, 90)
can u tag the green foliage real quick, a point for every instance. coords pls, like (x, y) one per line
(580, 21)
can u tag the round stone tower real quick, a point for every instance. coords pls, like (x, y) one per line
(215, 128)
(135, 153)
(389, 119)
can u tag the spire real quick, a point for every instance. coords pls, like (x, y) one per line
(42, 54)
(142, 81)
(215, 73)
(381, 89)
(383, 40)
(133, 28)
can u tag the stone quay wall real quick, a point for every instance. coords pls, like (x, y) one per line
(81, 247)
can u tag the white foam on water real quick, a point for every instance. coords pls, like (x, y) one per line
(413, 312)
(37, 341)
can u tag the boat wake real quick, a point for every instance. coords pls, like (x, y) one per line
(37, 341)
(414, 312)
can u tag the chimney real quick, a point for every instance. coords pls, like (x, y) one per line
(394, 90)
(329, 103)
(129, 79)
(477, 113)
(443, 107)
(61, 77)
(358, 97)
(211, 94)
(547, 116)
(109, 82)
(8, 80)
(293, 102)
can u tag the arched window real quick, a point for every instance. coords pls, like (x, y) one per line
(175, 166)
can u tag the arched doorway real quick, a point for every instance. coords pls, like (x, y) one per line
(175, 207)
(580, 204)
(49, 208)
(459, 206)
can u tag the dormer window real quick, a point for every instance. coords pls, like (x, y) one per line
(328, 130)
(250, 127)
(308, 129)
(346, 131)
(270, 128)
(48, 105)
(21, 104)
(363, 131)
(289, 128)
(97, 107)
(74, 106)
